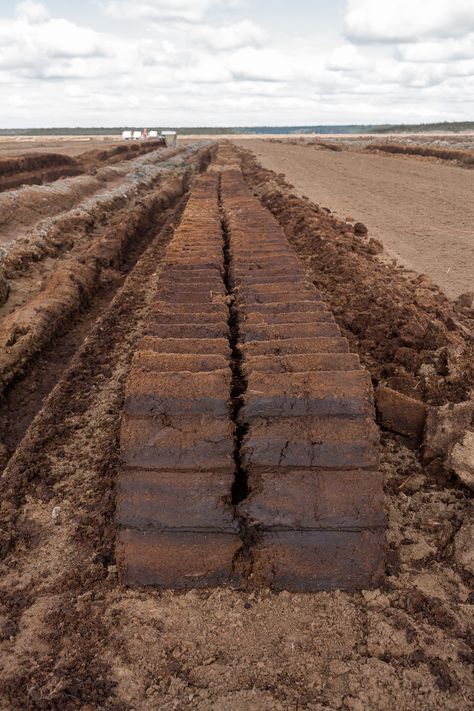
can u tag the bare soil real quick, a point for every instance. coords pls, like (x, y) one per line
(410, 336)
(68, 145)
(421, 211)
(72, 637)
(56, 270)
(43, 167)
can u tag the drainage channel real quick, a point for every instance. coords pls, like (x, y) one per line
(240, 489)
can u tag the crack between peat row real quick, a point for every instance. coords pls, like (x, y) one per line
(240, 490)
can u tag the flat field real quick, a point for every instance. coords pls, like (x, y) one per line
(68, 145)
(422, 210)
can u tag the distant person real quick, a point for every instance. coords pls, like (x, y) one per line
(145, 134)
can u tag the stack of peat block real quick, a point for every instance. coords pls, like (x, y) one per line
(292, 497)
(315, 502)
(176, 522)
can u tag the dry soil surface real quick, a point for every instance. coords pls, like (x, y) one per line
(72, 638)
(423, 212)
(69, 145)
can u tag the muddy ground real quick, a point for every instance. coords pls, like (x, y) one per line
(73, 638)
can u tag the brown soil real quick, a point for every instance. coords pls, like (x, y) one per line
(465, 158)
(53, 275)
(40, 168)
(67, 145)
(421, 211)
(33, 161)
(73, 638)
(408, 333)
(24, 398)
(24, 209)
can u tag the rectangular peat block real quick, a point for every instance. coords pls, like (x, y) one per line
(302, 363)
(177, 362)
(193, 346)
(265, 332)
(255, 318)
(301, 499)
(197, 443)
(337, 393)
(289, 346)
(177, 500)
(320, 560)
(178, 394)
(170, 559)
(186, 330)
(323, 442)
(286, 307)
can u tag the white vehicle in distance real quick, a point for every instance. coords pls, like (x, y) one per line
(127, 135)
(137, 135)
(153, 134)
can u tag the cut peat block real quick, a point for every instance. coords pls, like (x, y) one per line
(319, 560)
(177, 559)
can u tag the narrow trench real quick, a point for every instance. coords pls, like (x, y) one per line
(24, 397)
(240, 488)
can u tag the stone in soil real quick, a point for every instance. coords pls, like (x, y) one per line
(464, 547)
(445, 426)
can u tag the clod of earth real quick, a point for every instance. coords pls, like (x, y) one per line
(464, 547)
(360, 229)
(400, 413)
(4, 290)
(461, 460)
(465, 301)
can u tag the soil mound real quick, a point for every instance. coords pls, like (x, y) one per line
(466, 158)
(34, 161)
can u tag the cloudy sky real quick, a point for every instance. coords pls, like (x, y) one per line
(235, 62)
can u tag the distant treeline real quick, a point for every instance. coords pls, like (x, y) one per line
(452, 126)
(102, 131)
(455, 126)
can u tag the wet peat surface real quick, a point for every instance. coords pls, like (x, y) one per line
(73, 638)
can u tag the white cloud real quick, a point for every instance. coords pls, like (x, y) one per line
(28, 43)
(348, 58)
(447, 50)
(260, 65)
(164, 10)
(407, 20)
(32, 11)
(240, 34)
(187, 62)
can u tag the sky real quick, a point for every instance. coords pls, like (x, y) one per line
(235, 62)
